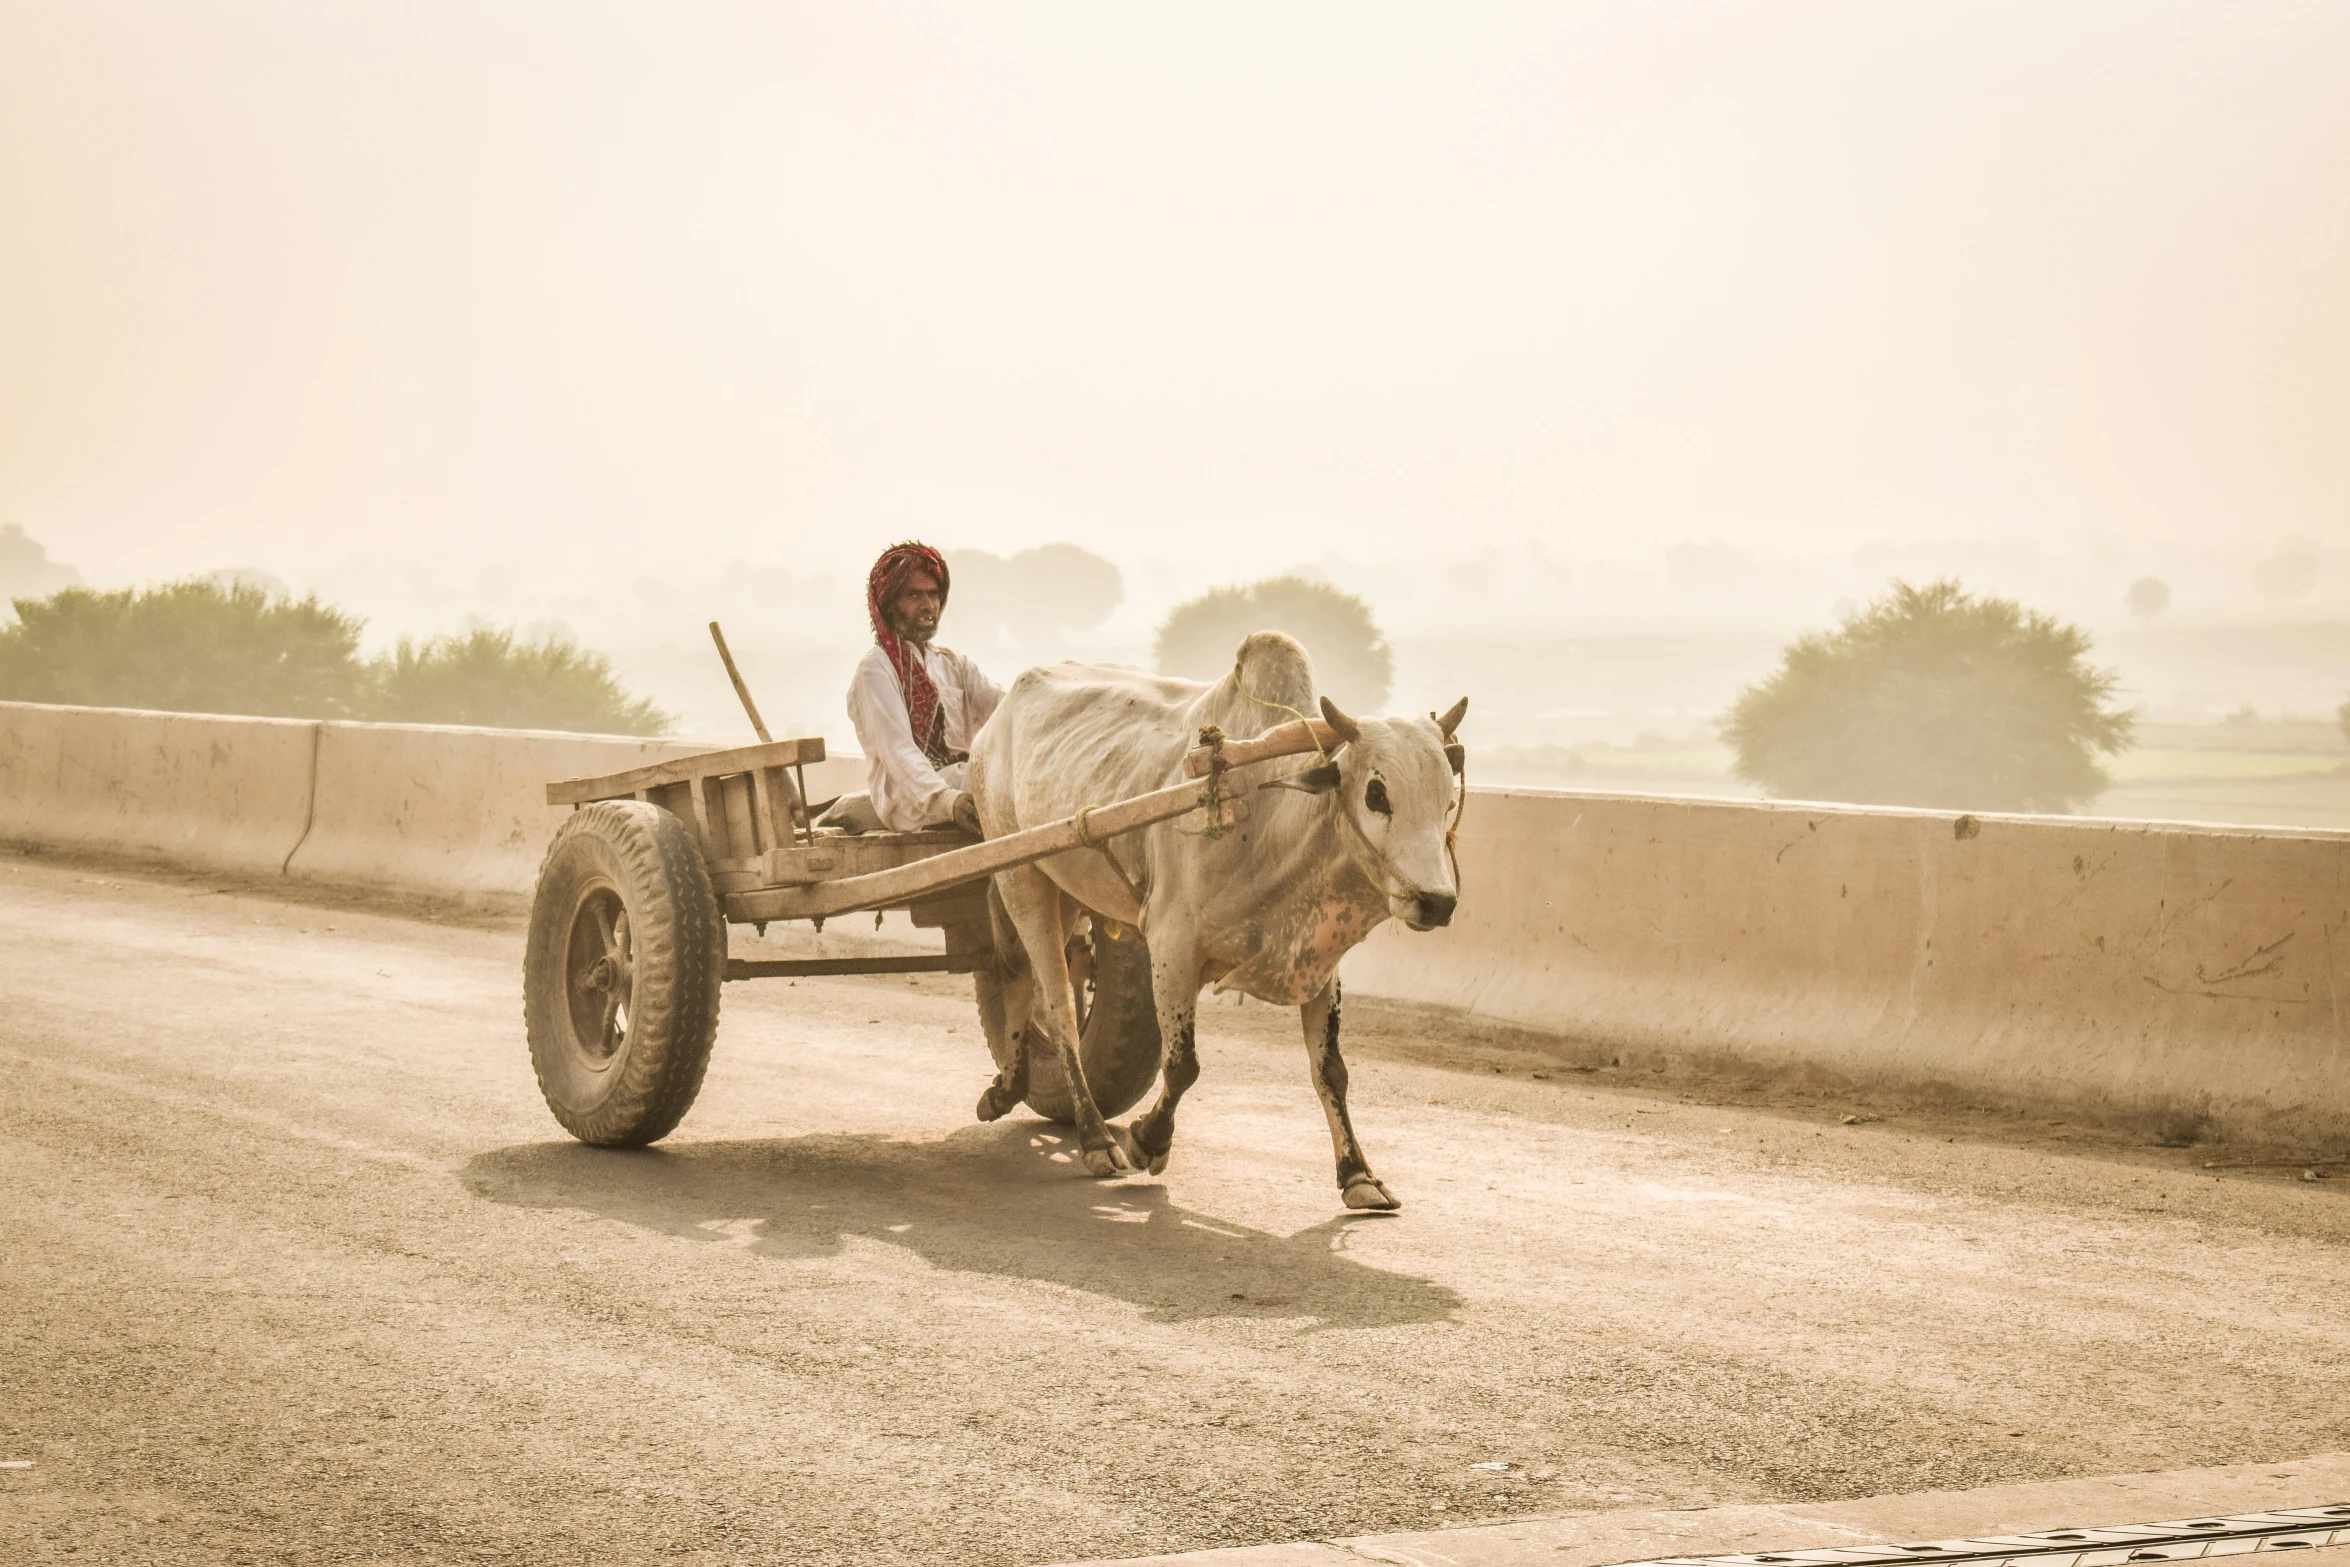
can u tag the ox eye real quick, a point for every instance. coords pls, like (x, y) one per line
(1376, 797)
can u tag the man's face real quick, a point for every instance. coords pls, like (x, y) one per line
(913, 609)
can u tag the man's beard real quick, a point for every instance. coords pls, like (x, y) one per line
(913, 630)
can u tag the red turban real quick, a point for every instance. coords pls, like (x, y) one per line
(882, 584)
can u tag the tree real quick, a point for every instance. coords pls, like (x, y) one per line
(489, 676)
(222, 644)
(2291, 571)
(1051, 590)
(1352, 662)
(2147, 597)
(193, 646)
(1931, 696)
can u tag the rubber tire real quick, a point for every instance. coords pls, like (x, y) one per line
(1119, 1047)
(677, 938)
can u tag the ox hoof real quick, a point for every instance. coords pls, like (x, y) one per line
(1122, 1138)
(1368, 1194)
(1158, 1164)
(1108, 1163)
(996, 1102)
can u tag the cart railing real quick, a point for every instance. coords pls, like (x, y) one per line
(741, 803)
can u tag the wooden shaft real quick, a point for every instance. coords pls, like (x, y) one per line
(758, 724)
(903, 883)
(1298, 735)
(880, 889)
(801, 968)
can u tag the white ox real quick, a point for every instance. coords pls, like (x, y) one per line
(1267, 907)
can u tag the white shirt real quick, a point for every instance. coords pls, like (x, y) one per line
(908, 793)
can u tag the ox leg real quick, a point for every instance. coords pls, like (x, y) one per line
(1011, 1083)
(1041, 915)
(1360, 1187)
(1175, 990)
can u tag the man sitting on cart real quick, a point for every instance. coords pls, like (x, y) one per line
(916, 705)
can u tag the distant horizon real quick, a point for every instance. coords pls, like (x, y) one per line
(1437, 596)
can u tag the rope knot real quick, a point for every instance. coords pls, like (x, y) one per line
(1211, 798)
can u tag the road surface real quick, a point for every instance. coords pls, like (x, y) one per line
(297, 1268)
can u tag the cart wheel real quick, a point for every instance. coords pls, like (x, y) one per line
(621, 975)
(1118, 1041)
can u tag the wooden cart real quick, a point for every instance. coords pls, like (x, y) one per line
(628, 926)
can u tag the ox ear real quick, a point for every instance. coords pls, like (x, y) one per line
(1318, 779)
(1450, 719)
(1340, 725)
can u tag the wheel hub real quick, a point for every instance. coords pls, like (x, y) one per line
(601, 973)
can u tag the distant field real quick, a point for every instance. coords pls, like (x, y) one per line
(2262, 774)
(2270, 774)
(2179, 766)
(2304, 800)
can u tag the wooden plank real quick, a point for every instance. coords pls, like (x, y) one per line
(791, 807)
(734, 800)
(637, 780)
(777, 807)
(799, 968)
(763, 834)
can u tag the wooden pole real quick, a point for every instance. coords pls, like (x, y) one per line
(902, 884)
(758, 725)
(1290, 739)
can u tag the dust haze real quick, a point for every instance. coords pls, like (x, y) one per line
(1599, 349)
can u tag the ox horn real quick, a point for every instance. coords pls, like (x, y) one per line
(1340, 725)
(1450, 718)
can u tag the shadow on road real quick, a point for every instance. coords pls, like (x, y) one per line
(988, 1199)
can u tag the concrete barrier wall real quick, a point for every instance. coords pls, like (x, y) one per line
(440, 809)
(452, 810)
(422, 807)
(2138, 970)
(221, 793)
(2126, 969)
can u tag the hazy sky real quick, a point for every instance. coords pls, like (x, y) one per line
(649, 285)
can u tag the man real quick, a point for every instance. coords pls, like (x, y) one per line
(916, 706)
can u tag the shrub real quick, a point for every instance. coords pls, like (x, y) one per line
(1931, 696)
(1352, 663)
(193, 646)
(490, 677)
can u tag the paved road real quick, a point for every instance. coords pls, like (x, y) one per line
(297, 1269)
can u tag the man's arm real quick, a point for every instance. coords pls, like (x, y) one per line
(908, 793)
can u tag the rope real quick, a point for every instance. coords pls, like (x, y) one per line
(1241, 686)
